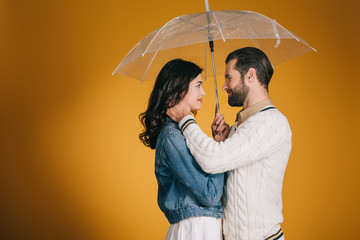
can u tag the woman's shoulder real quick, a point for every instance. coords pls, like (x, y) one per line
(169, 132)
(170, 128)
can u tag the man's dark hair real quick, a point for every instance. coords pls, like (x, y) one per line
(250, 57)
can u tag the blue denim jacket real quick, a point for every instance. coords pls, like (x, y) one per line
(185, 190)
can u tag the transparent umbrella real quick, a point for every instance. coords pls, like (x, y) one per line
(189, 37)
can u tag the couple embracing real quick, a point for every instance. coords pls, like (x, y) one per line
(229, 186)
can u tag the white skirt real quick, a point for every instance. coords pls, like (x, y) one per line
(196, 228)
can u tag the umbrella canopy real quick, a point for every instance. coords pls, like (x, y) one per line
(187, 37)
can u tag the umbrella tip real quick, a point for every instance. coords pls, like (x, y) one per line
(207, 6)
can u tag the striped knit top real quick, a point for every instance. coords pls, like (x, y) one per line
(256, 155)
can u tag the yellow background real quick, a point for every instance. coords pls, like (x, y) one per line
(71, 164)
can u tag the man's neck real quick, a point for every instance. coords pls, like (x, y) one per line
(255, 99)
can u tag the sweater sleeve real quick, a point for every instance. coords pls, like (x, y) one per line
(257, 137)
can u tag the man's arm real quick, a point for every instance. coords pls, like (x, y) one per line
(256, 138)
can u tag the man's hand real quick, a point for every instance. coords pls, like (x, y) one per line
(179, 111)
(220, 130)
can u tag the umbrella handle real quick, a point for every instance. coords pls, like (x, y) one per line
(207, 6)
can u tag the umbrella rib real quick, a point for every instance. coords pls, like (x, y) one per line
(128, 54)
(276, 34)
(297, 38)
(218, 26)
(255, 43)
(293, 35)
(152, 40)
(245, 13)
(149, 66)
(191, 23)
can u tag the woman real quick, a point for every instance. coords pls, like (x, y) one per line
(189, 197)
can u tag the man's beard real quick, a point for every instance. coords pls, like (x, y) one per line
(239, 94)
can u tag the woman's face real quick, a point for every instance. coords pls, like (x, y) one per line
(194, 96)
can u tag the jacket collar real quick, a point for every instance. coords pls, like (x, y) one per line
(170, 122)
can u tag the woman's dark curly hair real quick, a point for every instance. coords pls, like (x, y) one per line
(170, 87)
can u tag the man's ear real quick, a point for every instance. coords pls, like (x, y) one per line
(250, 76)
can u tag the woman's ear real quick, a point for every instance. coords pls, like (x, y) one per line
(171, 103)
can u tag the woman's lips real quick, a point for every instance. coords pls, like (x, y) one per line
(200, 100)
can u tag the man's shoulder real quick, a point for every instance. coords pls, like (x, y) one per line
(270, 111)
(279, 115)
(269, 114)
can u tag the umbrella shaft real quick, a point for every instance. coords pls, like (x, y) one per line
(214, 72)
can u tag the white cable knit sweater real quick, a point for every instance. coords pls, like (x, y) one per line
(256, 154)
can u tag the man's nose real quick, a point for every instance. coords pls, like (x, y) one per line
(224, 87)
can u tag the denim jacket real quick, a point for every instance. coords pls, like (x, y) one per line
(185, 190)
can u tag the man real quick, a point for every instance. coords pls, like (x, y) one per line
(255, 153)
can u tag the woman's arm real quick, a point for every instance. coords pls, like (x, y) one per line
(207, 188)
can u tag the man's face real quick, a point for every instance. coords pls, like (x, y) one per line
(235, 85)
